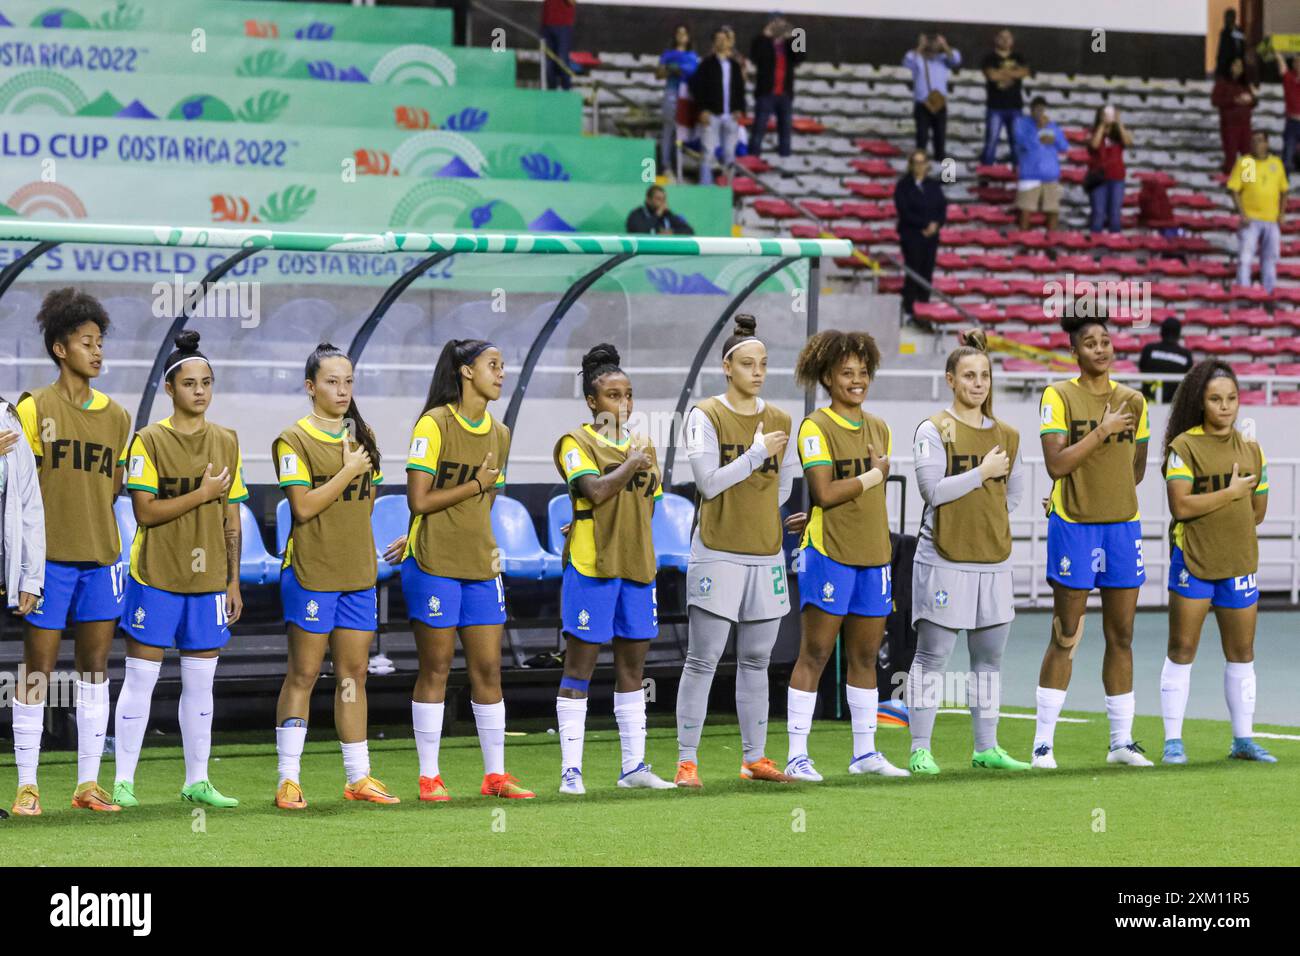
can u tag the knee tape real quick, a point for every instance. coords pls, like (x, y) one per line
(1067, 642)
(574, 683)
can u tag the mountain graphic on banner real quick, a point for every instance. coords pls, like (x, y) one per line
(135, 110)
(457, 168)
(550, 221)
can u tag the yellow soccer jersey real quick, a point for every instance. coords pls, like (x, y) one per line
(1052, 422)
(582, 536)
(26, 411)
(1177, 470)
(143, 475)
(814, 450)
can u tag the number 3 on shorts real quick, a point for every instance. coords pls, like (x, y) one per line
(778, 579)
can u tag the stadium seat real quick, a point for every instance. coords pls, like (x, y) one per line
(1208, 317)
(283, 522)
(522, 555)
(390, 519)
(776, 209)
(1255, 344)
(256, 566)
(1287, 398)
(1289, 369)
(559, 512)
(1253, 368)
(878, 147)
(1252, 396)
(126, 525)
(671, 528)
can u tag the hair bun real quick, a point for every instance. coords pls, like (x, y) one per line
(603, 354)
(187, 341)
(975, 338)
(746, 325)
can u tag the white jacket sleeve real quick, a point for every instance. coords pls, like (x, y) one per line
(711, 479)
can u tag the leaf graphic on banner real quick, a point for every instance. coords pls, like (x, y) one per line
(265, 63)
(541, 166)
(265, 108)
(287, 205)
(122, 17)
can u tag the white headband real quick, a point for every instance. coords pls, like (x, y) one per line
(752, 338)
(188, 358)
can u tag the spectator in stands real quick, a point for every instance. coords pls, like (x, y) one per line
(1004, 73)
(1105, 178)
(1290, 68)
(1258, 185)
(718, 87)
(922, 211)
(774, 57)
(1167, 355)
(558, 17)
(1040, 144)
(931, 63)
(676, 66)
(1235, 99)
(654, 217)
(1232, 44)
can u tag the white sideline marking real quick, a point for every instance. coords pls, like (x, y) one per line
(1059, 720)
(1277, 736)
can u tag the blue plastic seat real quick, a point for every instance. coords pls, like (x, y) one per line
(283, 524)
(126, 525)
(671, 528)
(256, 564)
(559, 512)
(390, 519)
(522, 556)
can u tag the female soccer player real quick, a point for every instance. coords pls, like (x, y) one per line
(608, 590)
(970, 476)
(451, 576)
(844, 584)
(186, 481)
(1094, 434)
(744, 467)
(1217, 482)
(327, 584)
(79, 437)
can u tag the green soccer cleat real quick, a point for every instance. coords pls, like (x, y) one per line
(995, 758)
(205, 792)
(124, 794)
(922, 761)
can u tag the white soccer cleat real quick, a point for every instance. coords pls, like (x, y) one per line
(642, 777)
(801, 768)
(1043, 759)
(875, 762)
(571, 782)
(1130, 754)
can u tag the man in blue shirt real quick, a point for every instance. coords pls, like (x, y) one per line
(931, 63)
(1040, 144)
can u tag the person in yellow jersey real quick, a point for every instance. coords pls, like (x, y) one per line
(79, 437)
(185, 477)
(451, 574)
(607, 594)
(328, 465)
(744, 467)
(970, 476)
(1217, 481)
(843, 565)
(1094, 435)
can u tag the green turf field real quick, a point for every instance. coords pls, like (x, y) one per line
(1209, 812)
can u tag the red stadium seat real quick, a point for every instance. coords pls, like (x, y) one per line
(754, 164)
(857, 234)
(1123, 265)
(993, 263)
(995, 195)
(585, 60)
(1210, 344)
(822, 209)
(875, 167)
(1077, 135)
(1291, 397)
(891, 284)
(878, 147)
(1025, 365)
(1080, 264)
(1169, 267)
(950, 285)
(993, 288)
(870, 190)
(776, 209)
(806, 124)
(1287, 368)
(801, 230)
(1037, 339)
(1253, 368)
(1250, 293)
(1074, 175)
(1124, 365)
(1252, 396)
(1255, 344)
(866, 211)
(1163, 178)
(939, 312)
(957, 213)
(1253, 318)
(999, 172)
(744, 186)
(1208, 317)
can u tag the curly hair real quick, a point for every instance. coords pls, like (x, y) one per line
(1188, 408)
(1073, 326)
(821, 353)
(65, 310)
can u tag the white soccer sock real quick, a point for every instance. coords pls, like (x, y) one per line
(1050, 701)
(289, 744)
(629, 711)
(1239, 689)
(863, 702)
(356, 760)
(490, 719)
(195, 712)
(29, 721)
(92, 725)
(799, 705)
(426, 720)
(1175, 688)
(132, 717)
(571, 722)
(1119, 710)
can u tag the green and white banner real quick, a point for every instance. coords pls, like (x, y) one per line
(463, 109)
(73, 189)
(170, 144)
(80, 52)
(267, 19)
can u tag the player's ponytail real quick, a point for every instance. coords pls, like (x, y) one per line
(973, 342)
(742, 334)
(599, 361)
(446, 386)
(361, 432)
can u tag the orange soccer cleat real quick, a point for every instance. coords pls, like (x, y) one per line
(28, 802)
(688, 775)
(370, 790)
(289, 796)
(504, 785)
(91, 796)
(434, 790)
(763, 769)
